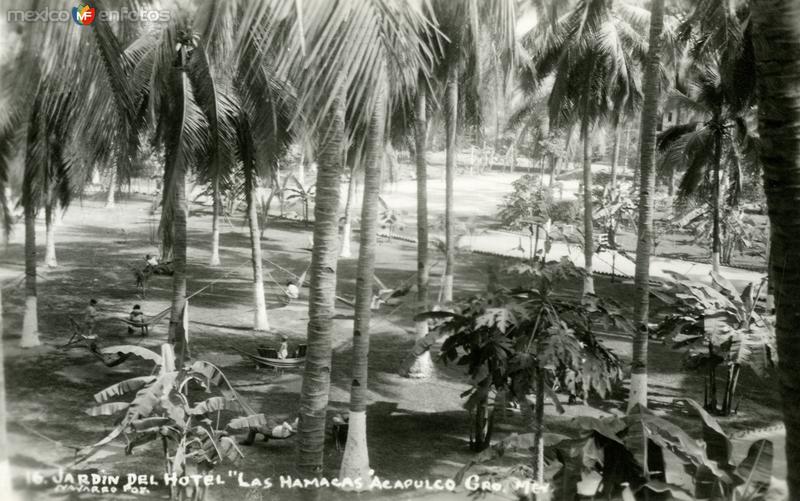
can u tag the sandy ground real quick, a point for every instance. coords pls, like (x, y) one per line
(417, 429)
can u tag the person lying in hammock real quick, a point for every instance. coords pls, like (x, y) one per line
(391, 297)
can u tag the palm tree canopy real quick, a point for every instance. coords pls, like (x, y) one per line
(692, 144)
(593, 50)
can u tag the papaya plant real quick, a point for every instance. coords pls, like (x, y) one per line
(168, 408)
(717, 326)
(527, 341)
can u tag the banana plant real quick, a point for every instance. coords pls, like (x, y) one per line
(195, 439)
(303, 194)
(718, 326)
(738, 233)
(606, 459)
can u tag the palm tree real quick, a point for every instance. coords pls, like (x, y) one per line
(64, 133)
(647, 147)
(322, 290)
(5, 217)
(592, 51)
(716, 143)
(323, 50)
(355, 462)
(461, 22)
(5, 469)
(777, 43)
(422, 365)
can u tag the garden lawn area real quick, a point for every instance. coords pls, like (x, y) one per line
(416, 429)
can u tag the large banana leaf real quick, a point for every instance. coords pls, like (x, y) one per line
(127, 386)
(756, 471)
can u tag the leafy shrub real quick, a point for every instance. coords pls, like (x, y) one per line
(566, 211)
(530, 201)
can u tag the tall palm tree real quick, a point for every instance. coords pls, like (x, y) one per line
(461, 22)
(323, 51)
(240, 99)
(777, 43)
(422, 365)
(6, 131)
(355, 462)
(5, 468)
(592, 51)
(713, 145)
(647, 150)
(64, 133)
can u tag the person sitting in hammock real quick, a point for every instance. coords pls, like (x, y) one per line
(152, 261)
(292, 290)
(136, 315)
(283, 350)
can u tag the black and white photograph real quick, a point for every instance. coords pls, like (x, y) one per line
(400, 250)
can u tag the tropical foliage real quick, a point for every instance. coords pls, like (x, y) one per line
(165, 408)
(640, 453)
(720, 328)
(526, 341)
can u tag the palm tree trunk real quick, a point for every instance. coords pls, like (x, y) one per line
(50, 233)
(301, 171)
(322, 294)
(30, 321)
(715, 243)
(177, 333)
(215, 213)
(6, 491)
(422, 366)
(777, 43)
(498, 96)
(615, 157)
(451, 117)
(671, 181)
(260, 321)
(647, 152)
(347, 230)
(355, 462)
(112, 188)
(567, 144)
(770, 281)
(588, 238)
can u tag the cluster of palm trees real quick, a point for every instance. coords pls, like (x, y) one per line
(224, 89)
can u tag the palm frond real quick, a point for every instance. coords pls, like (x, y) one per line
(699, 151)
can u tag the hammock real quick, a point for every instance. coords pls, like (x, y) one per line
(108, 359)
(148, 321)
(275, 363)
